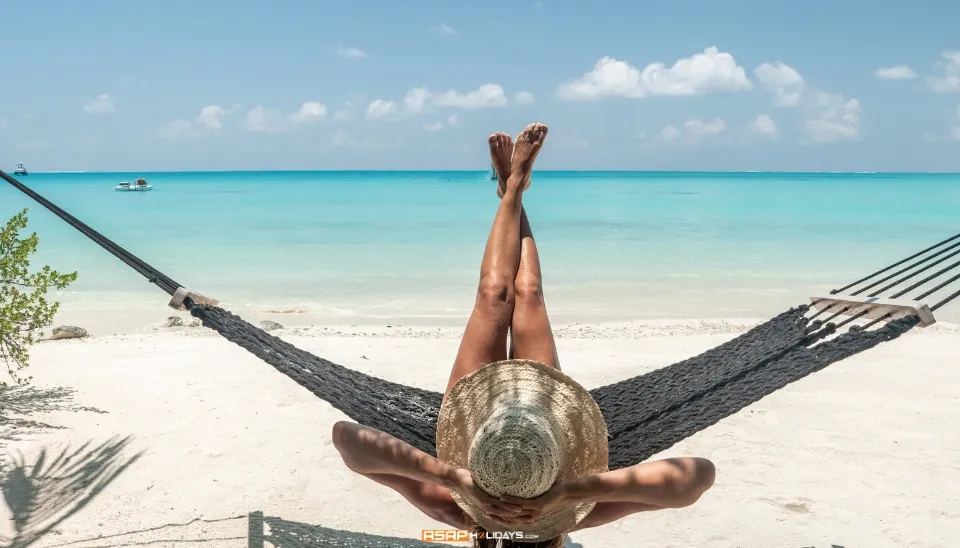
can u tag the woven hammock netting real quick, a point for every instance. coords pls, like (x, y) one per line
(644, 414)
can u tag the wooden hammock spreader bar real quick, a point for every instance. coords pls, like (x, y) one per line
(181, 294)
(875, 307)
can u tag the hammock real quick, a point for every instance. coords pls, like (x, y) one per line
(645, 414)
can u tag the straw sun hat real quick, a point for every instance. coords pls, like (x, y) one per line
(520, 426)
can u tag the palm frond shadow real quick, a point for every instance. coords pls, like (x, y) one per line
(42, 495)
(18, 403)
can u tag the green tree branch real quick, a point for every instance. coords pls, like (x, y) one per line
(24, 308)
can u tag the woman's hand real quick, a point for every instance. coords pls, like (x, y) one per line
(532, 509)
(493, 507)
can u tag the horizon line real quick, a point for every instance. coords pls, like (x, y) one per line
(754, 172)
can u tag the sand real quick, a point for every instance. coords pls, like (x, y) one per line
(176, 437)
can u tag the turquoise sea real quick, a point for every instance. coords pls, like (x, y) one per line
(375, 246)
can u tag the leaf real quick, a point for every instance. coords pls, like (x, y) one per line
(24, 308)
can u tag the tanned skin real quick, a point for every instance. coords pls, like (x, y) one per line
(510, 300)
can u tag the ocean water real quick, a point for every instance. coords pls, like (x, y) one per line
(375, 246)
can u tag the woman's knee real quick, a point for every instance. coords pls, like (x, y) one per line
(496, 292)
(700, 478)
(529, 291)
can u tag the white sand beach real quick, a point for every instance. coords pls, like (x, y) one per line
(176, 436)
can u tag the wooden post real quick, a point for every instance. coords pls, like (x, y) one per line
(255, 529)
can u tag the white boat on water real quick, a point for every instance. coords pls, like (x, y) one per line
(20, 170)
(140, 185)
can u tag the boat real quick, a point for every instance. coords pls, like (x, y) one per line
(20, 170)
(493, 173)
(140, 185)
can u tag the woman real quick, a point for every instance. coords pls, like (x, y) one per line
(522, 447)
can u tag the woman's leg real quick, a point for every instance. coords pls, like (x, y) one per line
(531, 334)
(485, 338)
(531, 337)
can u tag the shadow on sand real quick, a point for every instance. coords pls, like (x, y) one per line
(18, 403)
(262, 532)
(43, 494)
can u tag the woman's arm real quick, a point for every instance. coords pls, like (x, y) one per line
(422, 479)
(368, 451)
(670, 483)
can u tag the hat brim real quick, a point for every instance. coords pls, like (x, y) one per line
(475, 397)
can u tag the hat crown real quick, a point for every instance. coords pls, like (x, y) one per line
(517, 452)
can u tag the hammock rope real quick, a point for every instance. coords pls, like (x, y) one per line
(644, 414)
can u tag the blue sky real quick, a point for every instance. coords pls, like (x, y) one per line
(419, 84)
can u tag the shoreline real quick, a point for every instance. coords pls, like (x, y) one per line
(452, 328)
(146, 317)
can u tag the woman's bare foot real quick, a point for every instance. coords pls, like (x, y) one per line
(501, 153)
(525, 152)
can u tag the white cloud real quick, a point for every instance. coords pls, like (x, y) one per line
(949, 66)
(671, 133)
(211, 117)
(711, 71)
(523, 98)
(445, 29)
(783, 80)
(208, 122)
(452, 120)
(899, 72)
(764, 125)
(433, 127)
(378, 109)
(101, 105)
(835, 118)
(420, 100)
(701, 129)
(350, 52)
(488, 95)
(609, 78)
(311, 111)
(694, 130)
(263, 120)
(830, 117)
(415, 100)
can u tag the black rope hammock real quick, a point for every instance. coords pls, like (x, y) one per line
(645, 414)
